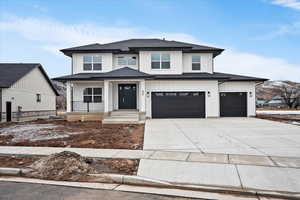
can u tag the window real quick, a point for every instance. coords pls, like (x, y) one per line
(160, 61)
(196, 65)
(92, 63)
(38, 98)
(126, 60)
(92, 95)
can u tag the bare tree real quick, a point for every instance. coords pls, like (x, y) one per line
(290, 95)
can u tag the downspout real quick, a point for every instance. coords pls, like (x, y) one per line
(0, 104)
(72, 72)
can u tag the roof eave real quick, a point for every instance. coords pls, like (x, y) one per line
(250, 79)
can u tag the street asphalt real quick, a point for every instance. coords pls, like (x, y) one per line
(29, 191)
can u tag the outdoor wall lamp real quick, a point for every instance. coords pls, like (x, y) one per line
(148, 94)
(250, 94)
(208, 93)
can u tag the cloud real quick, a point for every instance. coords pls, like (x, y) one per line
(294, 4)
(52, 35)
(283, 30)
(51, 31)
(232, 61)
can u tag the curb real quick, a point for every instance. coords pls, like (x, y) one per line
(127, 179)
(143, 181)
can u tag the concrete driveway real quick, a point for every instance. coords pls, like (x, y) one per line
(249, 136)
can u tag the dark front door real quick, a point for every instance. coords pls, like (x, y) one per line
(8, 111)
(178, 104)
(127, 96)
(233, 104)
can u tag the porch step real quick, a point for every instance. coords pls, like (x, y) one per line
(124, 113)
(122, 117)
(120, 121)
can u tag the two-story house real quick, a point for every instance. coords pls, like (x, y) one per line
(156, 79)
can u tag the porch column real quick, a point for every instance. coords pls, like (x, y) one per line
(106, 96)
(69, 97)
(142, 92)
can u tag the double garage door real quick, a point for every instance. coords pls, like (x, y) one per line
(192, 104)
(178, 104)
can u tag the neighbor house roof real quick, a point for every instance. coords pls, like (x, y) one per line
(127, 72)
(12, 72)
(134, 45)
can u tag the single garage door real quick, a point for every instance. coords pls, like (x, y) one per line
(178, 104)
(233, 104)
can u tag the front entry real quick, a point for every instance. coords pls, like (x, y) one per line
(8, 111)
(127, 96)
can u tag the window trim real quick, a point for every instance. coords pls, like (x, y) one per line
(92, 62)
(93, 95)
(161, 61)
(196, 63)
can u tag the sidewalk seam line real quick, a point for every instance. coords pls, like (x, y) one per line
(238, 173)
(274, 162)
(149, 157)
(182, 132)
(188, 157)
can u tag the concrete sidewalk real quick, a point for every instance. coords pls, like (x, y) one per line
(290, 162)
(277, 174)
(247, 177)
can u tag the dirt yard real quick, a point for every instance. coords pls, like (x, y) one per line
(115, 165)
(60, 133)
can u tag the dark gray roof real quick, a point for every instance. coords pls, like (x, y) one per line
(132, 45)
(209, 76)
(122, 73)
(132, 73)
(12, 72)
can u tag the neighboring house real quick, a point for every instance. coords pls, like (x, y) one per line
(157, 78)
(276, 102)
(261, 103)
(26, 92)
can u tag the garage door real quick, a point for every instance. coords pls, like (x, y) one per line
(178, 104)
(233, 104)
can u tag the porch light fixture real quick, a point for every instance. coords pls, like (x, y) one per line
(250, 94)
(208, 93)
(148, 94)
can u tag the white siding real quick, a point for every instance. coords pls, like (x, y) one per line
(78, 104)
(107, 62)
(23, 93)
(175, 59)
(206, 62)
(115, 61)
(211, 102)
(242, 87)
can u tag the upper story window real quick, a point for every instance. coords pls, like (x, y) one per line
(92, 95)
(92, 63)
(126, 60)
(196, 62)
(160, 61)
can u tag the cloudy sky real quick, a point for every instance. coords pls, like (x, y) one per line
(261, 37)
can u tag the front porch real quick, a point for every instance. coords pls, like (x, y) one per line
(106, 100)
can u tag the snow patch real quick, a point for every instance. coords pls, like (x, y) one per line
(34, 132)
(279, 112)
